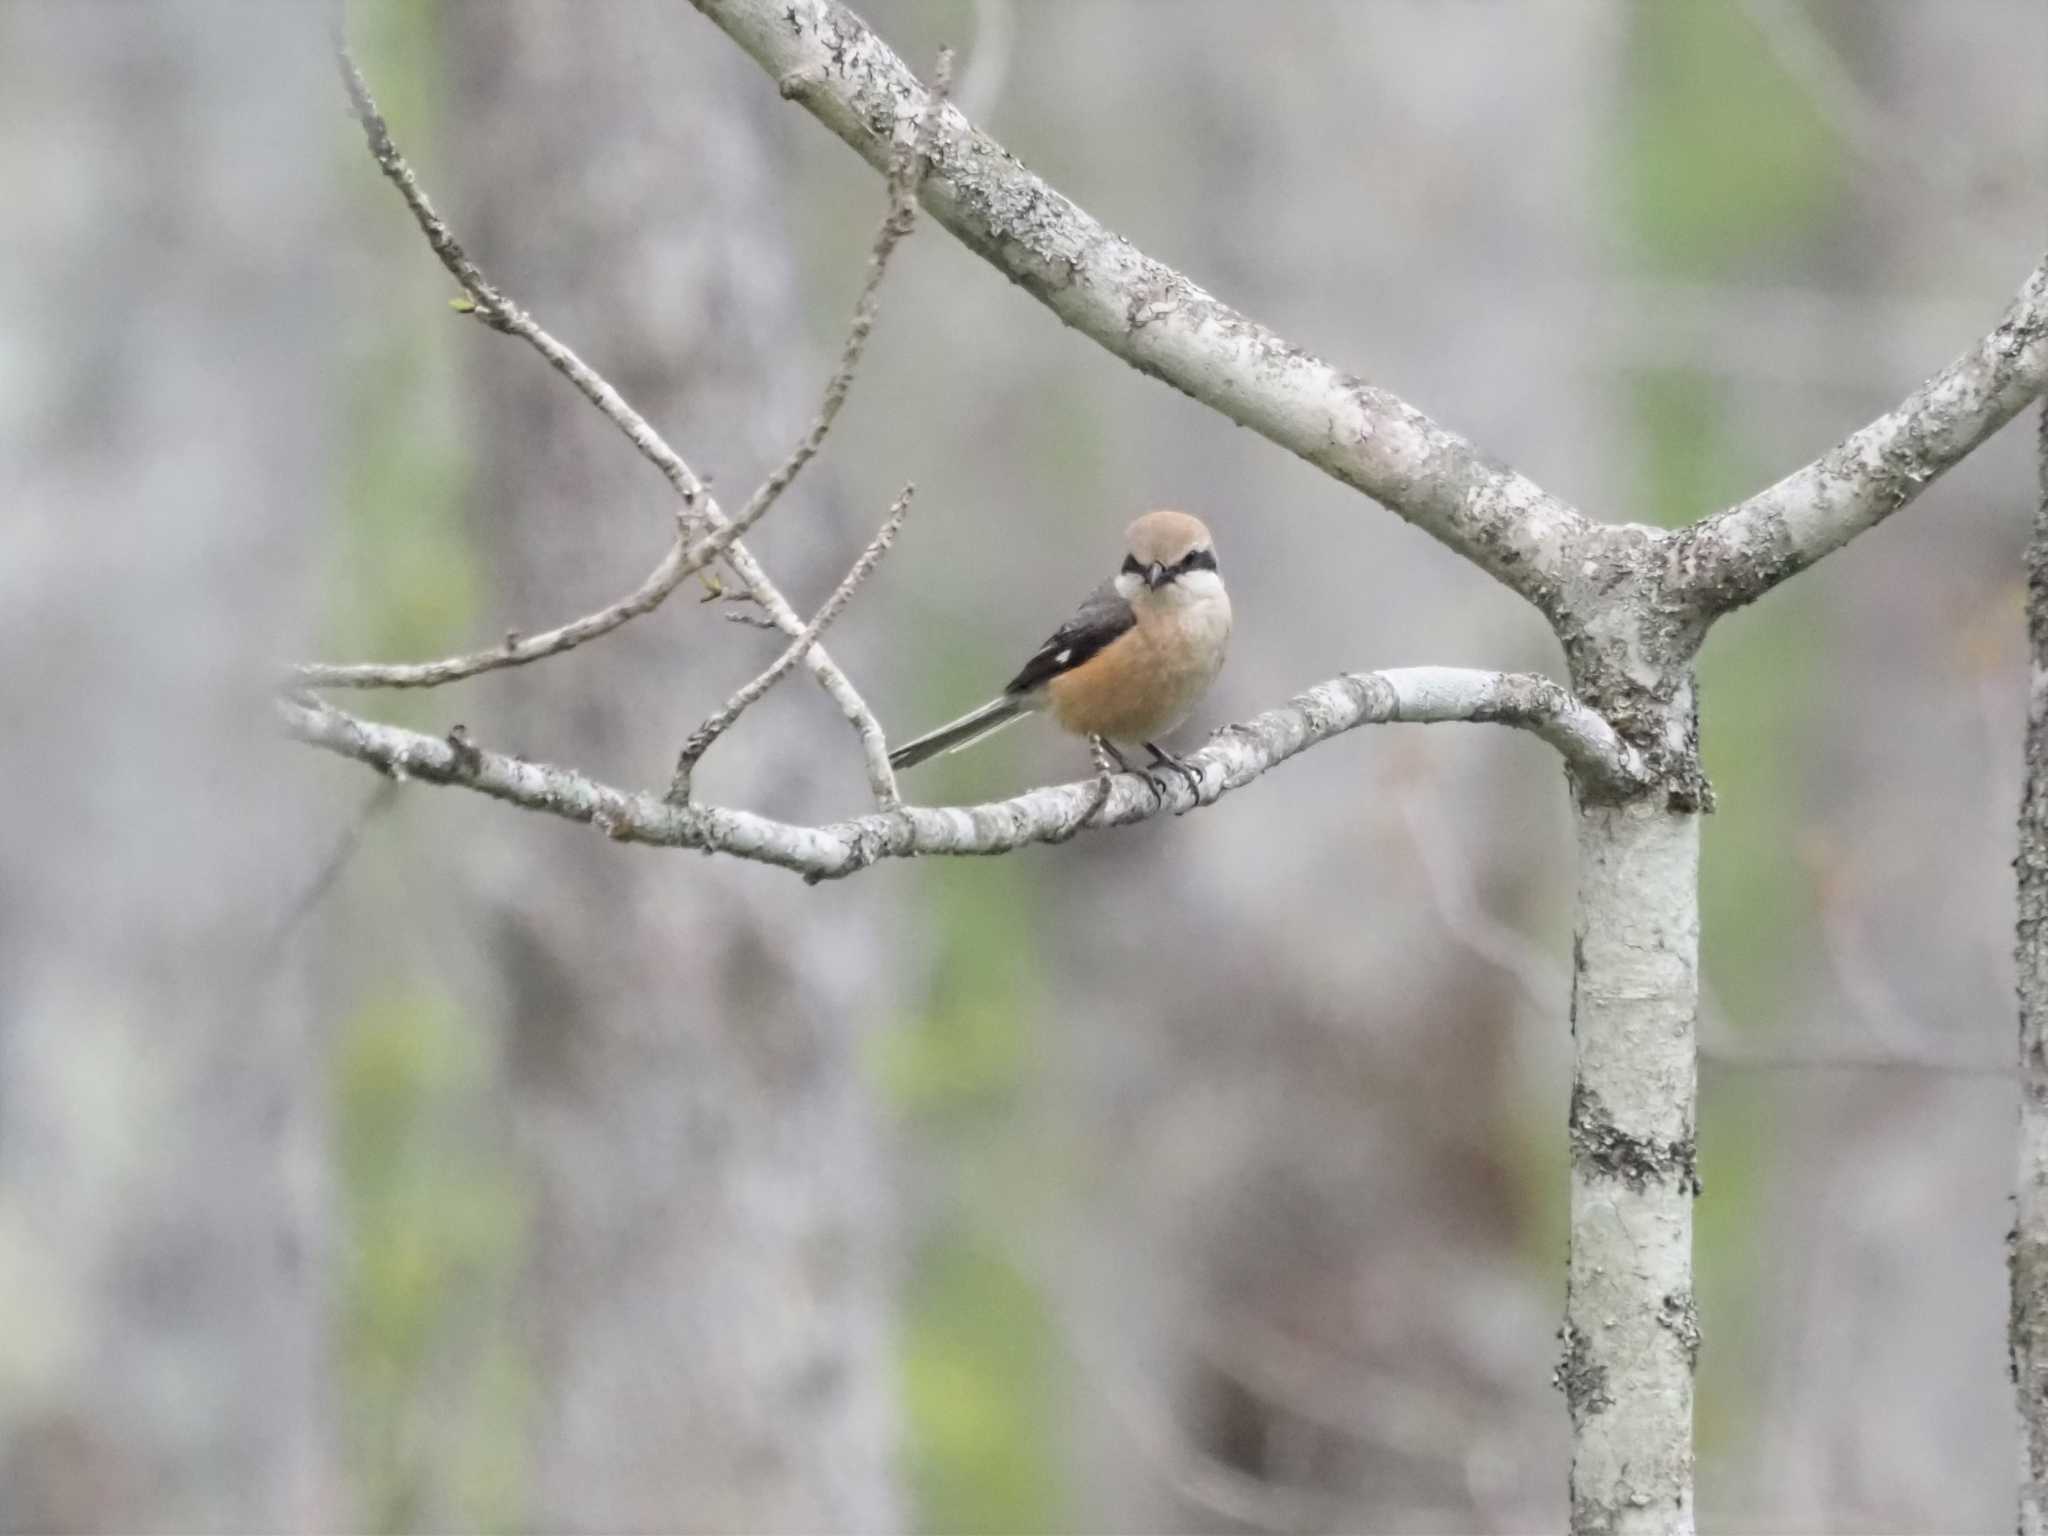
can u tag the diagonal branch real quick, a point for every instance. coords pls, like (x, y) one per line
(699, 510)
(823, 56)
(1233, 758)
(702, 739)
(906, 177)
(676, 566)
(492, 307)
(1736, 556)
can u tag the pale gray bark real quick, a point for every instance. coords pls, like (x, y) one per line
(707, 1304)
(2029, 1242)
(164, 464)
(825, 57)
(1738, 555)
(1627, 1373)
(1630, 604)
(1238, 755)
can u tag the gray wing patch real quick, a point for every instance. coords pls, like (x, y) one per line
(1099, 620)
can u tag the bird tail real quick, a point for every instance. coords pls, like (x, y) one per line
(964, 732)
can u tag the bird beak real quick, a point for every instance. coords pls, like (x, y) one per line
(1155, 575)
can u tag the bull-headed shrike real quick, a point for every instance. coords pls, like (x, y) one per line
(1130, 663)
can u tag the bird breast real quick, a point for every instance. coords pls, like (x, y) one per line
(1143, 684)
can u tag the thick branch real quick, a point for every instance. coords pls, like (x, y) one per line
(2028, 1256)
(1738, 555)
(825, 57)
(1236, 756)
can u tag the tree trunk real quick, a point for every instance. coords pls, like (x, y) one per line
(163, 470)
(1631, 1332)
(2029, 1257)
(706, 1287)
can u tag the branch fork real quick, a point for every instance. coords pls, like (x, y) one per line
(1631, 605)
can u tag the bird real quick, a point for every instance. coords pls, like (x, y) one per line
(1129, 665)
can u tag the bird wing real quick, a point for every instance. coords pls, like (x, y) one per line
(1100, 619)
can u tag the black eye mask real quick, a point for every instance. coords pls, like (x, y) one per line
(1194, 560)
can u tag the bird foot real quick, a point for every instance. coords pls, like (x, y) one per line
(1190, 775)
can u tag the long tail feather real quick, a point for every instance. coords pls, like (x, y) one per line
(964, 732)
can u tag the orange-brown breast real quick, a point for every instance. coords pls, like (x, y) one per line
(1139, 686)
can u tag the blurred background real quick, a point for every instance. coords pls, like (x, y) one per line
(1207, 1175)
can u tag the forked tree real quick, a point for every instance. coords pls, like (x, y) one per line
(1631, 605)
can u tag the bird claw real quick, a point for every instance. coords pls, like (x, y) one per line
(1190, 775)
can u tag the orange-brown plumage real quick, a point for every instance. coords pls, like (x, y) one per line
(1131, 662)
(1139, 686)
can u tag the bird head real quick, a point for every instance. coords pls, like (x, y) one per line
(1168, 550)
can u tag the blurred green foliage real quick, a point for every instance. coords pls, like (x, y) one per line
(1724, 154)
(980, 1353)
(1723, 161)
(981, 1388)
(404, 576)
(433, 1222)
(1719, 161)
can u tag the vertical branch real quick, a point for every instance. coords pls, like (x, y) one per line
(1631, 1331)
(2028, 1258)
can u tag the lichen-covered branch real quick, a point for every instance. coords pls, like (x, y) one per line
(1631, 1331)
(2029, 1256)
(825, 57)
(1736, 556)
(1236, 756)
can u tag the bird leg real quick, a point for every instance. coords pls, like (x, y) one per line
(1107, 761)
(1190, 774)
(1107, 756)
(1152, 780)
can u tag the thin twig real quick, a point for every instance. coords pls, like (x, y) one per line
(829, 61)
(718, 724)
(517, 650)
(906, 178)
(699, 509)
(330, 870)
(493, 307)
(1454, 894)
(988, 62)
(1178, 1458)
(1802, 50)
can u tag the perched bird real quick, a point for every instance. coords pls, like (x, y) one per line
(1130, 663)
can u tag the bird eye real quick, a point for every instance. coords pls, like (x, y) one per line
(1198, 560)
(1132, 566)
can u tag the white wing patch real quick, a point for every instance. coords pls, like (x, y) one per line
(1061, 659)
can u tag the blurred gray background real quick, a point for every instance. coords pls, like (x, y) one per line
(1203, 1176)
